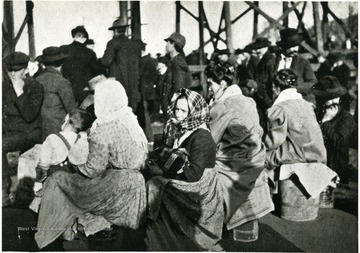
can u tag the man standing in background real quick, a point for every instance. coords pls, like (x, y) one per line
(178, 74)
(122, 56)
(81, 65)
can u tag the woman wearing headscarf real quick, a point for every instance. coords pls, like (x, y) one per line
(240, 153)
(109, 188)
(185, 210)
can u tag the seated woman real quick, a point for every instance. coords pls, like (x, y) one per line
(108, 188)
(294, 142)
(240, 153)
(337, 124)
(186, 213)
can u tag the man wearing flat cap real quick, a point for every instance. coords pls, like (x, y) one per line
(22, 97)
(122, 58)
(81, 64)
(289, 59)
(178, 74)
(59, 99)
(337, 124)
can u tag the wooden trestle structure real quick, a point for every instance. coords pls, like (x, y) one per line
(131, 13)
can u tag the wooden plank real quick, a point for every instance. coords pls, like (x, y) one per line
(197, 68)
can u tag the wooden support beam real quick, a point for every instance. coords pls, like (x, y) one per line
(300, 17)
(206, 24)
(340, 22)
(307, 37)
(8, 28)
(135, 20)
(241, 15)
(30, 23)
(188, 12)
(325, 20)
(214, 36)
(304, 44)
(177, 23)
(232, 22)
(220, 29)
(256, 19)
(201, 45)
(284, 15)
(267, 17)
(285, 7)
(123, 11)
(317, 26)
(229, 41)
(18, 35)
(201, 32)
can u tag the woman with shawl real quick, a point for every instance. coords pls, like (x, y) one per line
(109, 188)
(240, 153)
(185, 210)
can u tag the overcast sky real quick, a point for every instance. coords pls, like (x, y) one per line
(53, 21)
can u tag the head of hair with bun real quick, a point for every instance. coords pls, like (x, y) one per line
(285, 79)
(221, 72)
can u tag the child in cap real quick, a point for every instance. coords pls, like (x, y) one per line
(42, 160)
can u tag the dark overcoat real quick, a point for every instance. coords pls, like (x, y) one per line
(122, 57)
(79, 67)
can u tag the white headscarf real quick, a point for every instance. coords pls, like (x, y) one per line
(110, 102)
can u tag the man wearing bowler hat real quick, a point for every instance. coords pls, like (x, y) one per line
(81, 64)
(337, 124)
(22, 97)
(178, 74)
(59, 98)
(288, 58)
(122, 58)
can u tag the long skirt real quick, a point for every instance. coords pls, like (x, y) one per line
(185, 216)
(119, 197)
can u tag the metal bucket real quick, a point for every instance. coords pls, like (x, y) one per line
(294, 205)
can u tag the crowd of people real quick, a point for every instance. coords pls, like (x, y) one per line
(83, 129)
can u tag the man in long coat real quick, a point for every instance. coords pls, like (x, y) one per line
(178, 74)
(81, 65)
(122, 57)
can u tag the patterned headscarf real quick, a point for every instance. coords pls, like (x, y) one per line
(198, 115)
